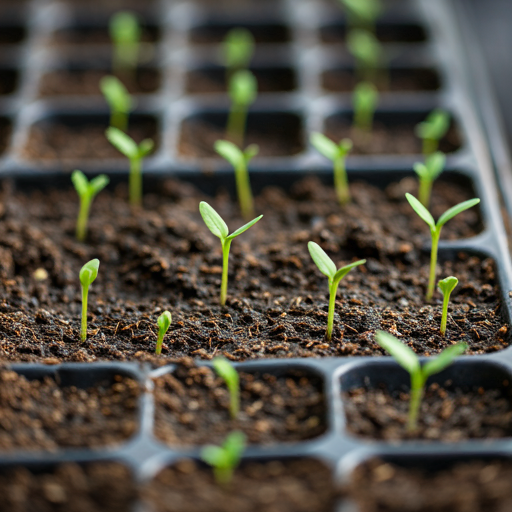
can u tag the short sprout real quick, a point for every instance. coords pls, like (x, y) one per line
(125, 32)
(163, 322)
(243, 90)
(446, 286)
(227, 371)
(88, 274)
(427, 173)
(237, 50)
(364, 99)
(119, 101)
(363, 13)
(433, 129)
(368, 53)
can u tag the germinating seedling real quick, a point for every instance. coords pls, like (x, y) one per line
(224, 459)
(87, 191)
(328, 268)
(446, 286)
(435, 231)
(406, 358)
(364, 100)
(125, 33)
(219, 228)
(243, 89)
(119, 101)
(227, 371)
(368, 53)
(337, 153)
(237, 50)
(433, 129)
(428, 172)
(363, 13)
(163, 322)
(88, 274)
(128, 147)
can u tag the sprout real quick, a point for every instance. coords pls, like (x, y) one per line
(224, 459)
(237, 50)
(406, 358)
(128, 147)
(364, 99)
(433, 129)
(446, 286)
(226, 370)
(242, 92)
(367, 51)
(125, 33)
(119, 101)
(328, 268)
(163, 322)
(337, 154)
(88, 274)
(240, 160)
(219, 228)
(435, 231)
(427, 173)
(87, 191)
(363, 12)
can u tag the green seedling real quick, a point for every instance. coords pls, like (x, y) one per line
(87, 191)
(227, 371)
(224, 459)
(135, 153)
(367, 52)
(163, 322)
(219, 228)
(364, 100)
(243, 90)
(363, 13)
(433, 129)
(406, 358)
(125, 33)
(428, 172)
(119, 101)
(88, 274)
(435, 231)
(446, 286)
(237, 50)
(337, 153)
(240, 160)
(328, 268)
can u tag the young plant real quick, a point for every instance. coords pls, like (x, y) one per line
(243, 89)
(446, 286)
(125, 33)
(363, 13)
(88, 274)
(435, 231)
(364, 100)
(237, 51)
(219, 228)
(224, 459)
(227, 371)
(337, 154)
(163, 322)
(433, 129)
(407, 358)
(328, 268)
(367, 52)
(428, 172)
(128, 147)
(119, 101)
(87, 191)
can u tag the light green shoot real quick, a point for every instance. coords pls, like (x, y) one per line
(433, 129)
(218, 227)
(119, 101)
(337, 153)
(435, 231)
(428, 172)
(243, 90)
(128, 147)
(406, 358)
(328, 268)
(367, 52)
(88, 274)
(163, 322)
(237, 50)
(227, 371)
(87, 191)
(224, 459)
(363, 13)
(364, 100)
(446, 286)
(240, 160)
(125, 33)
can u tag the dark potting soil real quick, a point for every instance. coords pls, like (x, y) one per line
(475, 486)
(268, 33)
(96, 34)
(5, 133)
(8, 81)
(385, 32)
(301, 485)
(41, 415)
(12, 34)
(192, 407)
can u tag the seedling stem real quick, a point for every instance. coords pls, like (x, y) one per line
(125, 33)
(446, 286)
(427, 173)
(242, 92)
(88, 274)
(163, 322)
(227, 371)
(119, 101)
(432, 130)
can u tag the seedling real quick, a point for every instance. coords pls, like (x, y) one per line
(163, 322)
(427, 173)
(446, 286)
(433, 129)
(237, 50)
(87, 191)
(368, 53)
(119, 101)
(240, 160)
(337, 154)
(435, 231)
(224, 459)
(364, 99)
(128, 147)
(226, 370)
(363, 13)
(407, 358)
(243, 89)
(219, 228)
(125, 33)
(88, 274)
(328, 268)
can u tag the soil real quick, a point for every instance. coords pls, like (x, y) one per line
(474, 486)
(42, 415)
(96, 34)
(12, 34)
(213, 33)
(95, 487)
(5, 133)
(300, 485)
(8, 81)
(192, 407)
(385, 32)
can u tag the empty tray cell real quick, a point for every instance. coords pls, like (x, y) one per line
(5, 133)
(11, 34)
(215, 32)
(8, 81)
(276, 133)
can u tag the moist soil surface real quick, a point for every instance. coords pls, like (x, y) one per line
(164, 257)
(192, 407)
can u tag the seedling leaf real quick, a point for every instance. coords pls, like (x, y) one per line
(455, 210)
(342, 272)
(80, 183)
(324, 145)
(229, 151)
(444, 359)
(402, 354)
(145, 147)
(89, 272)
(213, 220)
(448, 284)
(243, 88)
(226, 370)
(98, 183)
(122, 142)
(238, 48)
(250, 152)
(245, 227)
(421, 211)
(322, 261)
